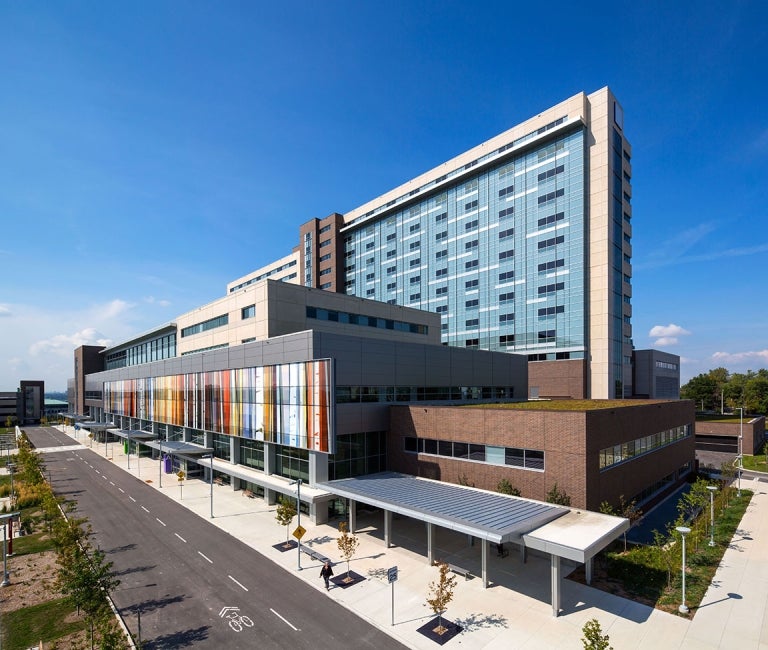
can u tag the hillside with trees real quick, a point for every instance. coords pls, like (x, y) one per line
(719, 389)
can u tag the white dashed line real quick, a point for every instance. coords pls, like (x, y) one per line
(104, 477)
(132, 499)
(144, 509)
(237, 583)
(181, 538)
(205, 557)
(121, 490)
(159, 521)
(111, 483)
(283, 619)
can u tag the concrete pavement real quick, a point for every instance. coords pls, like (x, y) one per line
(514, 612)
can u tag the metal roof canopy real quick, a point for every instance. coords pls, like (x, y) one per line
(178, 447)
(133, 434)
(97, 426)
(486, 515)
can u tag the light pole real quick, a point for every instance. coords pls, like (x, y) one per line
(683, 530)
(297, 483)
(161, 461)
(210, 456)
(11, 469)
(741, 433)
(712, 489)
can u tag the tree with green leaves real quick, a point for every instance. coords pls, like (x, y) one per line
(558, 496)
(593, 638)
(441, 593)
(285, 512)
(347, 543)
(505, 487)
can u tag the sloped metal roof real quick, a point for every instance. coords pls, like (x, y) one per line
(486, 515)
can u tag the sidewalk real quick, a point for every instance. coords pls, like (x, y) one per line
(514, 612)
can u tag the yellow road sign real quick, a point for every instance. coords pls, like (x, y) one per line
(299, 532)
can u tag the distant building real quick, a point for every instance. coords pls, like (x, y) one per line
(26, 405)
(656, 374)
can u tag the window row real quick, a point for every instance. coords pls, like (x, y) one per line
(510, 456)
(355, 394)
(616, 454)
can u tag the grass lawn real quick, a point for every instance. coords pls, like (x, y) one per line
(755, 463)
(25, 628)
(36, 543)
(641, 574)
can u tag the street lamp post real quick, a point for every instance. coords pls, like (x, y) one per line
(741, 433)
(683, 530)
(712, 489)
(11, 469)
(297, 483)
(161, 461)
(210, 456)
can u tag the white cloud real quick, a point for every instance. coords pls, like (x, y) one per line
(741, 357)
(115, 308)
(5, 311)
(157, 301)
(66, 343)
(667, 334)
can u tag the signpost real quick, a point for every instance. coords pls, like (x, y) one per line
(392, 578)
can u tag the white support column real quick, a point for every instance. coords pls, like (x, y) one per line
(588, 570)
(555, 576)
(387, 529)
(430, 544)
(523, 553)
(352, 516)
(484, 561)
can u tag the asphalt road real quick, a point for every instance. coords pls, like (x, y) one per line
(181, 573)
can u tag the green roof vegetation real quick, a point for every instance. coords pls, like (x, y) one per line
(567, 404)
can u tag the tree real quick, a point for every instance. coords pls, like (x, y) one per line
(442, 594)
(347, 543)
(703, 390)
(593, 638)
(505, 487)
(286, 511)
(558, 497)
(666, 552)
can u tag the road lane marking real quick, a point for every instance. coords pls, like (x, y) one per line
(160, 521)
(111, 483)
(205, 557)
(132, 499)
(144, 509)
(104, 476)
(121, 490)
(239, 584)
(181, 538)
(284, 620)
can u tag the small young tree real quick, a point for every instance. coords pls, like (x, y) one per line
(593, 638)
(347, 543)
(442, 594)
(558, 496)
(505, 487)
(286, 511)
(665, 552)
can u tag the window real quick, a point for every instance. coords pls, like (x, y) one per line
(471, 304)
(551, 288)
(548, 312)
(506, 318)
(325, 243)
(415, 245)
(210, 324)
(440, 273)
(392, 286)
(471, 264)
(441, 291)
(506, 190)
(550, 196)
(325, 258)
(441, 254)
(546, 267)
(546, 336)
(248, 312)
(470, 225)
(391, 237)
(472, 343)
(324, 229)
(370, 277)
(414, 296)
(391, 254)
(507, 297)
(415, 280)
(468, 246)
(505, 255)
(370, 292)
(441, 217)
(506, 339)
(325, 271)
(506, 233)
(544, 176)
(415, 262)
(472, 322)
(469, 206)
(552, 218)
(442, 309)
(391, 270)
(508, 212)
(471, 284)
(370, 245)
(415, 227)
(441, 235)
(506, 276)
(370, 260)
(552, 241)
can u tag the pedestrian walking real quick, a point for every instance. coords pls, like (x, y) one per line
(325, 573)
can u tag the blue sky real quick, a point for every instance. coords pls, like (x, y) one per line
(150, 152)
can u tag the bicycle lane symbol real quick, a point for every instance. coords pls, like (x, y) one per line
(237, 621)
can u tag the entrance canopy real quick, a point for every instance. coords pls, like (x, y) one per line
(486, 515)
(177, 447)
(133, 434)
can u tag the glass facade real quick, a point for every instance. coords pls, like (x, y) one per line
(162, 347)
(499, 253)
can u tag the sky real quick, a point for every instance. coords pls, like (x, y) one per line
(151, 152)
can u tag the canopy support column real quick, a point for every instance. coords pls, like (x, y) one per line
(555, 577)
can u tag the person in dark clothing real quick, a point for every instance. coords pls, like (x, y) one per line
(325, 573)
